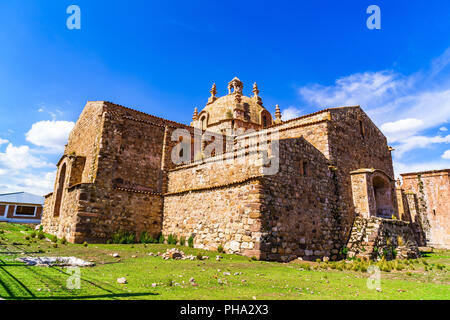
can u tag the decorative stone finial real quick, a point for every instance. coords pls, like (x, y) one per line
(213, 94)
(213, 90)
(399, 183)
(195, 115)
(255, 90)
(236, 85)
(277, 114)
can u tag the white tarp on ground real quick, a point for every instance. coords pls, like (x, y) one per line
(55, 261)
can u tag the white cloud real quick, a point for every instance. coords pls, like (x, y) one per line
(39, 183)
(23, 168)
(42, 181)
(3, 141)
(365, 89)
(403, 106)
(22, 171)
(446, 155)
(17, 158)
(443, 129)
(52, 135)
(291, 113)
(401, 127)
(417, 142)
(401, 167)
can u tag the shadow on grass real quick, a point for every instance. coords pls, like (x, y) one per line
(94, 297)
(15, 281)
(15, 289)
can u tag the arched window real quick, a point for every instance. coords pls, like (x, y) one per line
(361, 129)
(264, 121)
(304, 168)
(203, 121)
(59, 191)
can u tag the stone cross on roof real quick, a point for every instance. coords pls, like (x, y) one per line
(236, 85)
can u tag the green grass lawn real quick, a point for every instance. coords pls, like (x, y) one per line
(426, 278)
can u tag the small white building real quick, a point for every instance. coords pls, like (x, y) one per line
(21, 207)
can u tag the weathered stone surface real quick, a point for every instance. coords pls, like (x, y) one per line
(374, 237)
(426, 203)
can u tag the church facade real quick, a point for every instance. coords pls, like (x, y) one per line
(313, 187)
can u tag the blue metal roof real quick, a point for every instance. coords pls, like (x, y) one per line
(21, 197)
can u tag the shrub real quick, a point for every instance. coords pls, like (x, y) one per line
(33, 234)
(182, 241)
(172, 239)
(199, 256)
(41, 228)
(344, 251)
(385, 267)
(161, 239)
(394, 252)
(146, 238)
(400, 241)
(54, 239)
(398, 266)
(85, 244)
(123, 237)
(191, 242)
(220, 249)
(55, 245)
(388, 241)
(40, 235)
(306, 266)
(63, 240)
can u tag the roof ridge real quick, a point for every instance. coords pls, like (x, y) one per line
(312, 114)
(7, 194)
(147, 114)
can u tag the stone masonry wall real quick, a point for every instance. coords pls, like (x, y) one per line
(126, 153)
(216, 200)
(355, 143)
(226, 216)
(374, 237)
(298, 205)
(432, 193)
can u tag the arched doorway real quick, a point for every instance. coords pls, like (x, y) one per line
(59, 191)
(383, 197)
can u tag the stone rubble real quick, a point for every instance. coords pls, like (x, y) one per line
(55, 261)
(122, 280)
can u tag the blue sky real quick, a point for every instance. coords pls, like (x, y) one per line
(162, 57)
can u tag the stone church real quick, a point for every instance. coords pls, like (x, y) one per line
(236, 177)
